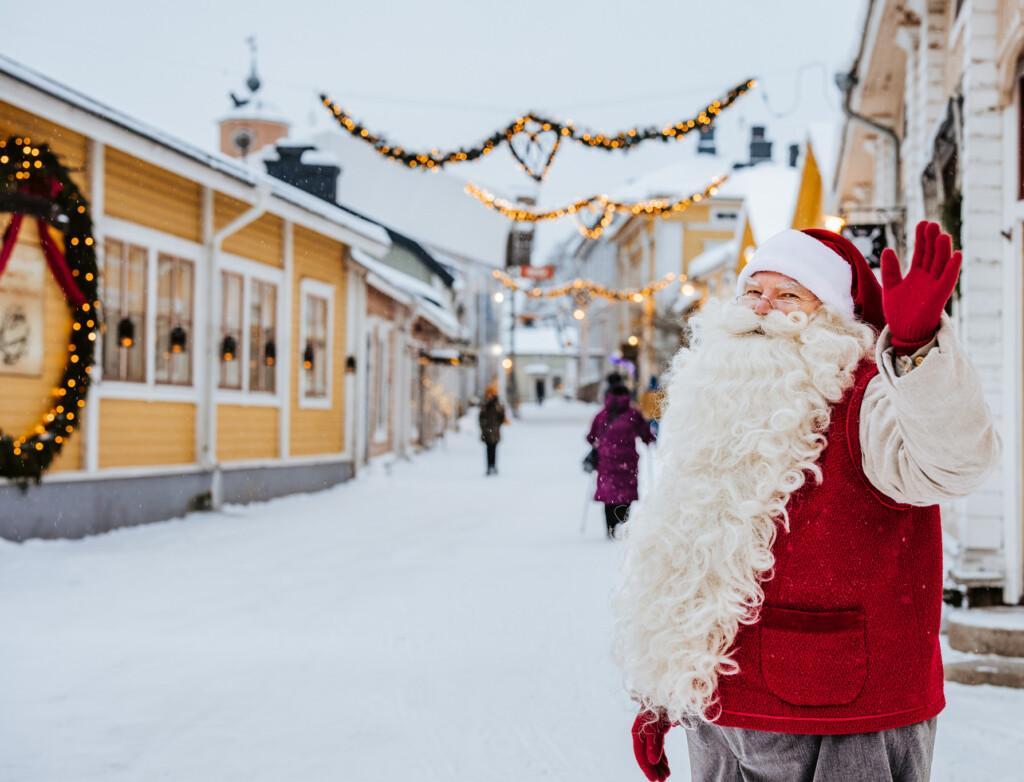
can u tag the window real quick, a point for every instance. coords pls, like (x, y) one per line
(231, 330)
(382, 385)
(124, 302)
(174, 320)
(316, 360)
(262, 335)
(316, 346)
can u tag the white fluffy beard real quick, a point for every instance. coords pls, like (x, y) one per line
(748, 408)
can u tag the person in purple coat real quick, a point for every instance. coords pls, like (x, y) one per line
(614, 432)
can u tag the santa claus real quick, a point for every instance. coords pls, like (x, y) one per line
(781, 591)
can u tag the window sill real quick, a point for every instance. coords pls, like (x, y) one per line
(248, 399)
(149, 392)
(315, 403)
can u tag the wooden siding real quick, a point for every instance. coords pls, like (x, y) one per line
(27, 398)
(246, 432)
(72, 148)
(148, 195)
(808, 212)
(316, 431)
(260, 240)
(135, 433)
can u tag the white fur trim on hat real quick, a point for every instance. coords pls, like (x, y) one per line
(803, 258)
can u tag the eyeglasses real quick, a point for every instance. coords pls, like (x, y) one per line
(783, 301)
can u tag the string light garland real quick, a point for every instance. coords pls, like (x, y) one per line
(606, 207)
(580, 288)
(532, 131)
(29, 168)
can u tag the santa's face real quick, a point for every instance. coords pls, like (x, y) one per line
(767, 291)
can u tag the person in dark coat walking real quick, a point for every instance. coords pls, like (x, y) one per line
(614, 432)
(492, 417)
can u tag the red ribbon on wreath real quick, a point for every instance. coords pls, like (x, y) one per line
(54, 257)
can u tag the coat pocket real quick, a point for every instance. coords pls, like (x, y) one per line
(813, 658)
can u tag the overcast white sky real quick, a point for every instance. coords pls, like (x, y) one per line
(446, 72)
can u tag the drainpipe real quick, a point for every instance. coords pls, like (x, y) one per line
(846, 83)
(208, 455)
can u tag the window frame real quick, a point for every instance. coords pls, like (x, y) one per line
(112, 318)
(313, 288)
(161, 255)
(248, 270)
(155, 242)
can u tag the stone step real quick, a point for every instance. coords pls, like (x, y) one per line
(986, 669)
(987, 631)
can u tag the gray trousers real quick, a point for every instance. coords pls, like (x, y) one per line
(737, 755)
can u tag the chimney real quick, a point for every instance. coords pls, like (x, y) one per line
(760, 147)
(320, 179)
(794, 155)
(706, 141)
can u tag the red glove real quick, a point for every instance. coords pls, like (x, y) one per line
(913, 304)
(649, 731)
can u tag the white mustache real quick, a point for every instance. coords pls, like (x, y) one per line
(738, 320)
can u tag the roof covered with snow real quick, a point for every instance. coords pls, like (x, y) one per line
(712, 259)
(769, 192)
(428, 301)
(545, 341)
(235, 169)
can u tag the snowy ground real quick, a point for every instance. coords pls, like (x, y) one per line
(425, 625)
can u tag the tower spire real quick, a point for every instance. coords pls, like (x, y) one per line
(253, 82)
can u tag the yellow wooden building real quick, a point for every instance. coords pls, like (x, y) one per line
(256, 274)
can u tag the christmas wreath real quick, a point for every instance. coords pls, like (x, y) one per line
(34, 183)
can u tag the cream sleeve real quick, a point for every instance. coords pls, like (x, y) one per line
(926, 432)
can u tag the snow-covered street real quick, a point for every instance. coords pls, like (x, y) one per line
(422, 623)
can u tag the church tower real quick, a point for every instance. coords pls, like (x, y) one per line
(252, 123)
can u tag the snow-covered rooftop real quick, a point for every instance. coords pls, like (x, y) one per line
(235, 169)
(769, 193)
(545, 341)
(428, 302)
(711, 260)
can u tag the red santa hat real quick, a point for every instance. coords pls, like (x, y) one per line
(828, 265)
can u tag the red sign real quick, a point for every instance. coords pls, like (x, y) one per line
(537, 272)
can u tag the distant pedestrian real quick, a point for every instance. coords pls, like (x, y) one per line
(613, 433)
(613, 379)
(492, 418)
(540, 389)
(650, 403)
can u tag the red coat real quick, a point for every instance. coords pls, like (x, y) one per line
(848, 637)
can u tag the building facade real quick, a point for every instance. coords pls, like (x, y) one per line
(225, 370)
(935, 102)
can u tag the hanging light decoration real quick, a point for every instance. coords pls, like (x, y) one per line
(179, 339)
(308, 356)
(125, 332)
(602, 206)
(270, 353)
(532, 132)
(228, 348)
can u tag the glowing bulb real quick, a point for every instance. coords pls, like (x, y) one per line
(688, 289)
(507, 363)
(496, 350)
(834, 223)
(633, 340)
(579, 314)
(499, 297)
